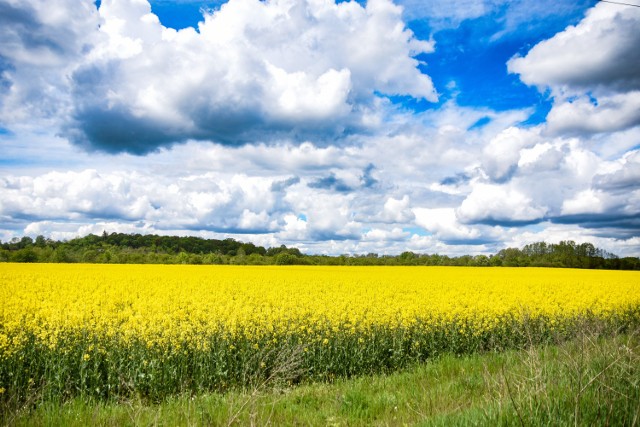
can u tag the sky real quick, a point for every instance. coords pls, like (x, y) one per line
(379, 126)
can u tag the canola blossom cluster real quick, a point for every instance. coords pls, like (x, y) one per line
(156, 330)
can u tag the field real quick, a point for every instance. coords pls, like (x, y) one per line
(110, 332)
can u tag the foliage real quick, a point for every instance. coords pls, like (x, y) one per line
(119, 248)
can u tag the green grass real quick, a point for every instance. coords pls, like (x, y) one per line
(593, 379)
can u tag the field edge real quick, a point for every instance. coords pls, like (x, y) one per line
(591, 379)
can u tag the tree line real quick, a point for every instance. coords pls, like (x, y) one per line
(123, 248)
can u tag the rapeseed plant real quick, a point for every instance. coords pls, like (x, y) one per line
(119, 330)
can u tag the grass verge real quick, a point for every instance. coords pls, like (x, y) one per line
(593, 379)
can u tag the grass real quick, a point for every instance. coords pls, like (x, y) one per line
(593, 379)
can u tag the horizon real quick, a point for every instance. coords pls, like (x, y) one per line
(548, 246)
(457, 128)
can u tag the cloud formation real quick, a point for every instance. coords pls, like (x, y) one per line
(252, 71)
(591, 70)
(559, 171)
(526, 177)
(598, 53)
(310, 123)
(40, 43)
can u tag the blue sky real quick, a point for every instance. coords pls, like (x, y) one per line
(381, 126)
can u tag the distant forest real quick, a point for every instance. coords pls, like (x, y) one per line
(153, 249)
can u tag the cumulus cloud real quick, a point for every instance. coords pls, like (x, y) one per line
(39, 45)
(252, 71)
(294, 229)
(592, 71)
(601, 51)
(203, 202)
(575, 168)
(624, 174)
(224, 203)
(612, 201)
(544, 156)
(499, 204)
(502, 154)
(591, 115)
(554, 179)
(445, 226)
(587, 201)
(397, 210)
(333, 166)
(329, 215)
(381, 235)
(250, 201)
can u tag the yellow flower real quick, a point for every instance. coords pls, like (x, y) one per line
(182, 308)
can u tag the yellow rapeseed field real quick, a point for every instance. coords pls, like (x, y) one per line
(214, 319)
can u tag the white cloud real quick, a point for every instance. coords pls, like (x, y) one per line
(611, 146)
(312, 152)
(555, 179)
(543, 156)
(294, 229)
(68, 230)
(72, 195)
(587, 201)
(572, 168)
(499, 204)
(502, 154)
(432, 245)
(40, 43)
(397, 210)
(622, 175)
(592, 71)
(119, 81)
(329, 215)
(600, 52)
(209, 201)
(300, 97)
(444, 224)
(587, 114)
(249, 199)
(381, 235)
(250, 220)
